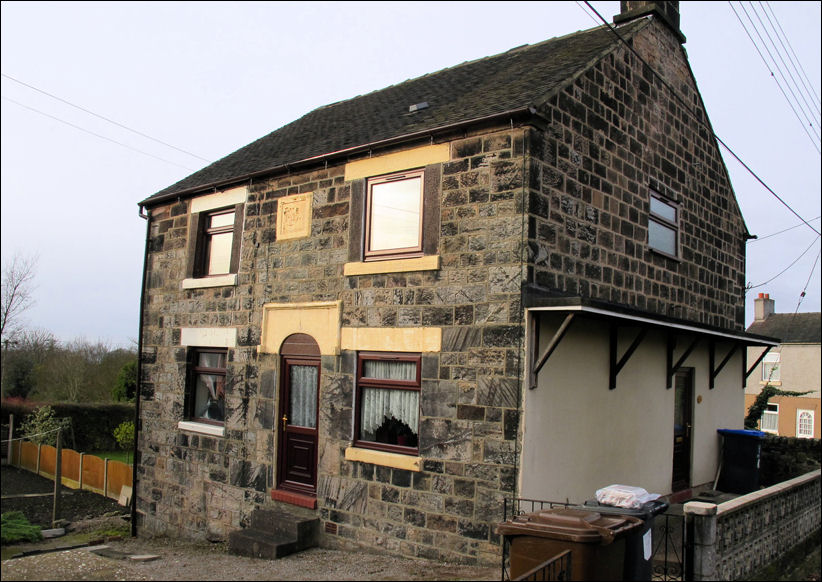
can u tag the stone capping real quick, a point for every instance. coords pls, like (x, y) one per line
(319, 319)
(219, 199)
(702, 508)
(208, 337)
(426, 263)
(397, 161)
(398, 339)
(215, 281)
(385, 459)
(209, 429)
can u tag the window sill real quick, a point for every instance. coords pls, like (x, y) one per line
(202, 428)
(426, 263)
(770, 383)
(384, 459)
(217, 281)
(664, 254)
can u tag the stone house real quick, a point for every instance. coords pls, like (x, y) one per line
(504, 279)
(793, 366)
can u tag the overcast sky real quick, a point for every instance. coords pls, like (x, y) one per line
(210, 77)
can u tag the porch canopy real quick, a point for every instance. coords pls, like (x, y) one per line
(617, 317)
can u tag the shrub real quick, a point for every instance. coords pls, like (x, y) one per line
(124, 435)
(41, 426)
(14, 527)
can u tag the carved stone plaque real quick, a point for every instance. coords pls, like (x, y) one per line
(294, 216)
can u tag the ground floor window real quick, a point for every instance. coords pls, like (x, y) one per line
(804, 424)
(205, 385)
(388, 401)
(770, 419)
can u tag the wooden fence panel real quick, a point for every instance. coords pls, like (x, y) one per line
(48, 461)
(70, 469)
(119, 474)
(94, 471)
(28, 455)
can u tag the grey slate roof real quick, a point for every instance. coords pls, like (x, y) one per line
(802, 328)
(512, 81)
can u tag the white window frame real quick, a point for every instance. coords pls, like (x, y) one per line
(799, 413)
(772, 360)
(771, 425)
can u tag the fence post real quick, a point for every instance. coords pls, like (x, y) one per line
(82, 456)
(11, 441)
(105, 478)
(701, 537)
(37, 467)
(58, 477)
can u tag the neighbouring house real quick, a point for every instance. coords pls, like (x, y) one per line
(522, 276)
(792, 366)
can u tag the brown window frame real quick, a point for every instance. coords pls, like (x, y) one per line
(665, 223)
(403, 252)
(385, 384)
(193, 372)
(200, 234)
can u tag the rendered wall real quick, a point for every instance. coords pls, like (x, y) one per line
(579, 436)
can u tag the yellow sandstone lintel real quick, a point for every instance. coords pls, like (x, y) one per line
(392, 339)
(396, 162)
(384, 459)
(426, 263)
(320, 320)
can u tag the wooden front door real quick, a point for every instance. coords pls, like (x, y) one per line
(683, 423)
(297, 423)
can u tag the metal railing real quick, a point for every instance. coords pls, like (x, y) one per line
(512, 507)
(557, 568)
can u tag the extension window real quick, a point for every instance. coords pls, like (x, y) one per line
(388, 402)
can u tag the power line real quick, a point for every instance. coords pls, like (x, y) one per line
(778, 84)
(808, 282)
(104, 118)
(698, 120)
(781, 231)
(749, 287)
(803, 76)
(96, 134)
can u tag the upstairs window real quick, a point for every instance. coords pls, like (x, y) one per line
(214, 243)
(205, 386)
(770, 369)
(394, 213)
(217, 242)
(388, 402)
(663, 225)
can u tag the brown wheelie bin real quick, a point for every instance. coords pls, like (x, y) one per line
(596, 541)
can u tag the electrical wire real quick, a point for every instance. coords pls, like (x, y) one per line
(770, 70)
(698, 120)
(104, 118)
(804, 76)
(96, 134)
(781, 231)
(749, 287)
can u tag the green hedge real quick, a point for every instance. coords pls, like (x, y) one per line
(93, 424)
(784, 458)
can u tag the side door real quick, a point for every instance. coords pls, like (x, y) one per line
(683, 424)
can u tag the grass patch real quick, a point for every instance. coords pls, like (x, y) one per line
(122, 456)
(15, 528)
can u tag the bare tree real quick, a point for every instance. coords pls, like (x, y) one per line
(17, 293)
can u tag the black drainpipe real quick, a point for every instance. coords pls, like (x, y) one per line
(138, 388)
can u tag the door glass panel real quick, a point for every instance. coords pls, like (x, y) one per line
(303, 396)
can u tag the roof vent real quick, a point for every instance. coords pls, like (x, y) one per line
(417, 106)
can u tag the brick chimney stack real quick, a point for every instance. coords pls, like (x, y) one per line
(763, 307)
(667, 12)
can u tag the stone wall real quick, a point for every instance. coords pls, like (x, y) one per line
(738, 538)
(611, 135)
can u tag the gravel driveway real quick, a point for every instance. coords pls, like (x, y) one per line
(176, 560)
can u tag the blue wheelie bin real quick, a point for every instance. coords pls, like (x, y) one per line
(741, 452)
